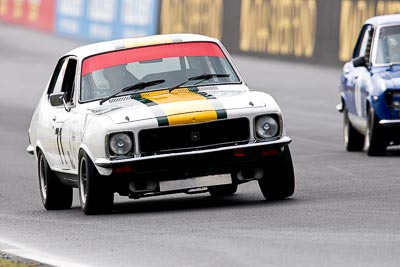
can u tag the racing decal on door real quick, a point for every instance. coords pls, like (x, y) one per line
(60, 147)
(357, 98)
(63, 153)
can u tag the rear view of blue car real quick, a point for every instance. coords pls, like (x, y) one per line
(370, 88)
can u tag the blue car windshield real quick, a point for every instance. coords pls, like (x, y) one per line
(388, 49)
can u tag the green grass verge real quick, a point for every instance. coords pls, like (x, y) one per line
(10, 263)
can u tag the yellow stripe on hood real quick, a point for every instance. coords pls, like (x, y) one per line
(182, 106)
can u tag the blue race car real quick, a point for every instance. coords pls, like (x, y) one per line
(370, 88)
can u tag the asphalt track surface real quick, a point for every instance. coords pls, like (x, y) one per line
(345, 211)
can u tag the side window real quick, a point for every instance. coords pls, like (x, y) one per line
(364, 38)
(365, 50)
(63, 79)
(69, 80)
(58, 77)
(363, 47)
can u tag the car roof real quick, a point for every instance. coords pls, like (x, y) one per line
(384, 20)
(114, 45)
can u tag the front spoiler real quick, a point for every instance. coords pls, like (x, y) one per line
(109, 163)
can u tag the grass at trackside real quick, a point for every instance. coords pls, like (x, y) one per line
(10, 263)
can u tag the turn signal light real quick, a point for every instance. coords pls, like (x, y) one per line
(270, 152)
(123, 169)
(239, 153)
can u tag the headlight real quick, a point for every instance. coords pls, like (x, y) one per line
(266, 127)
(120, 144)
(393, 99)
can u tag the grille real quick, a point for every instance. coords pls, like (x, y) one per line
(393, 99)
(120, 99)
(194, 136)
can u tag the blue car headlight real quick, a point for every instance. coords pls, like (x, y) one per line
(393, 99)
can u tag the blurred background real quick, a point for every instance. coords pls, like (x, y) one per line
(314, 31)
(345, 211)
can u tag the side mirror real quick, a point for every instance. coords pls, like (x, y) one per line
(57, 99)
(359, 62)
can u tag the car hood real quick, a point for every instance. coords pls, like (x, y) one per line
(181, 106)
(392, 75)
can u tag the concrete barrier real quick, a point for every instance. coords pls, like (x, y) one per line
(98, 20)
(313, 31)
(35, 14)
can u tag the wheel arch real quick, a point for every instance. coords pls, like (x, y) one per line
(101, 170)
(39, 148)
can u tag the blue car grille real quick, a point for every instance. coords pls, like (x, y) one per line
(392, 98)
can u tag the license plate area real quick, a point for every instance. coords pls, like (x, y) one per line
(203, 181)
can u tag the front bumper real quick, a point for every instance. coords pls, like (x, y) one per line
(175, 166)
(222, 151)
(391, 130)
(192, 169)
(390, 123)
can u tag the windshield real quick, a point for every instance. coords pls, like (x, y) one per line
(388, 49)
(106, 74)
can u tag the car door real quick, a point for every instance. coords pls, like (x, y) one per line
(357, 78)
(61, 115)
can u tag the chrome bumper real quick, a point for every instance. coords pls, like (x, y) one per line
(30, 150)
(390, 123)
(107, 163)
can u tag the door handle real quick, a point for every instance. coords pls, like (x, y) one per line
(54, 118)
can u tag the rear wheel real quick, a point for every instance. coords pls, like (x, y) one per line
(222, 190)
(54, 194)
(278, 180)
(353, 140)
(95, 194)
(375, 136)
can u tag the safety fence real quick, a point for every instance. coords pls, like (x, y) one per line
(314, 31)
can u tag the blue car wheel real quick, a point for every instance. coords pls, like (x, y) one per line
(375, 136)
(353, 140)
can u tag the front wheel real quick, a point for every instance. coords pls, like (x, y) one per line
(278, 180)
(95, 194)
(54, 194)
(375, 136)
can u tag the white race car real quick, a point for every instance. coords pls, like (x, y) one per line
(151, 116)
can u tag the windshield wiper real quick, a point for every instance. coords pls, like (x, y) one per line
(202, 77)
(134, 87)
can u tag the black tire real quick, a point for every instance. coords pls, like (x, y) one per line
(375, 136)
(95, 193)
(54, 194)
(223, 190)
(278, 181)
(353, 140)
